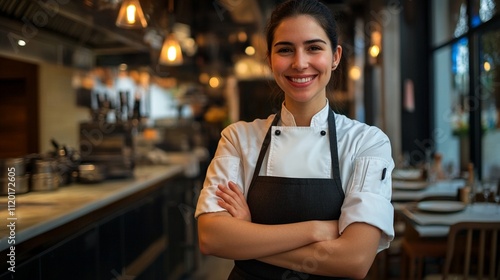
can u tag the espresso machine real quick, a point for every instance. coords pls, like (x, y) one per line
(108, 147)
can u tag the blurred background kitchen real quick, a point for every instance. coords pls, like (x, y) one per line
(127, 98)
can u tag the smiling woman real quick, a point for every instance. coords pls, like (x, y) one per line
(302, 60)
(303, 193)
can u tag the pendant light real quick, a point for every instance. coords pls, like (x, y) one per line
(171, 53)
(131, 15)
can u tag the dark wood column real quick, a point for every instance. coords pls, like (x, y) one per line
(19, 126)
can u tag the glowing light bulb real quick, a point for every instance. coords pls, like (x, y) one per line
(171, 53)
(131, 9)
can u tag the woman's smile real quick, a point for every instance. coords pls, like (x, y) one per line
(301, 81)
(302, 61)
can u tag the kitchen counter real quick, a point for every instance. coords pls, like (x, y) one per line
(36, 213)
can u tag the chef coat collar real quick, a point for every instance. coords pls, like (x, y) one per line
(320, 119)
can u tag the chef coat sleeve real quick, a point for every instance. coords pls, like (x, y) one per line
(368, 192)
(224, 167)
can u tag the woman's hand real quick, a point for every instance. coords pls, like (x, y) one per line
(233, 200)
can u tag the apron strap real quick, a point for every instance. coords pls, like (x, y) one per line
(263, 149)
(332, 131)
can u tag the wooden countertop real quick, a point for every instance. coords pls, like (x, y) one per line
(38, 212)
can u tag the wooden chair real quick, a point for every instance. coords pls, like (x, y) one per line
(415, 250)
(474, 249)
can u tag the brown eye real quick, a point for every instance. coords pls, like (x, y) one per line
(315, 48)
(284, 50)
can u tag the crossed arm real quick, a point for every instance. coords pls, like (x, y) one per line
(312, 246)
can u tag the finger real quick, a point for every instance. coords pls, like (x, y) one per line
(234, 187)
(230, 209)
(224, 190)
(230, 192)
(228, 199)
(224, 196)
(233, 196)
(226, 206)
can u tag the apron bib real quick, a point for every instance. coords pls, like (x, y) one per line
(281, 200)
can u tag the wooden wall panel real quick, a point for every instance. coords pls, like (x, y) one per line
(18, 108)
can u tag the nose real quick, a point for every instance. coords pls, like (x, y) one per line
(300, 61)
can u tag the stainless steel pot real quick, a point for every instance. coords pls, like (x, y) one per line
(45, 166)
(14, 185)
(45, 181)
(6, 164)
(45, 176)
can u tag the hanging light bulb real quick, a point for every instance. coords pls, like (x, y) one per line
(171, 53)
(131, 15)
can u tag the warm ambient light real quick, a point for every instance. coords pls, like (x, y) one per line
(250, 50)
(171, 53)
(355, 73)
(131, 15)
(214, 82)
(486, 66)
(374, 51)
(131, 9)
(204, 78)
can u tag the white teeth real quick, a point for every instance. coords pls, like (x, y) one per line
(301, 80)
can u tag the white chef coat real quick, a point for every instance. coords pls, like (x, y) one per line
(364, 157)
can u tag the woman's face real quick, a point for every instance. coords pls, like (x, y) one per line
(302, 60)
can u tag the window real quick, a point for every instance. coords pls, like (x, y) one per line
(466, 84)
(483, 11)
(489, 88)
(449, 19)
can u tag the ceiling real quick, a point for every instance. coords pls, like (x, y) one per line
(83, 33)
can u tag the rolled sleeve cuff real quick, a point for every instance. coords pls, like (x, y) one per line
(372, 209)
(207, 201)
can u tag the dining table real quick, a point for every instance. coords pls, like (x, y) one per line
(424, 212)
(416, 190)
(434, 218)
(427, 225)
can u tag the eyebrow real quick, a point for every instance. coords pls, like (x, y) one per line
(308, 42)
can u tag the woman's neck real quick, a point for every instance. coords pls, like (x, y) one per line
(303, 112)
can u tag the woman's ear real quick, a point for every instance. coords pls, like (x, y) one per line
(337, 55)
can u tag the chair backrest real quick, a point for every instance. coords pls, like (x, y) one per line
(480, 246)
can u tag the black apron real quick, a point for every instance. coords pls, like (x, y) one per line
(279, 200)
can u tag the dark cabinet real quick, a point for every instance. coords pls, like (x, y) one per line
(75, 258)
(111, 248)
(143, 237)
(28, 270)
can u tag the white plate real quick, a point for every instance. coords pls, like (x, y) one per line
(409, 185)
(444, 206)
(407, 174)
